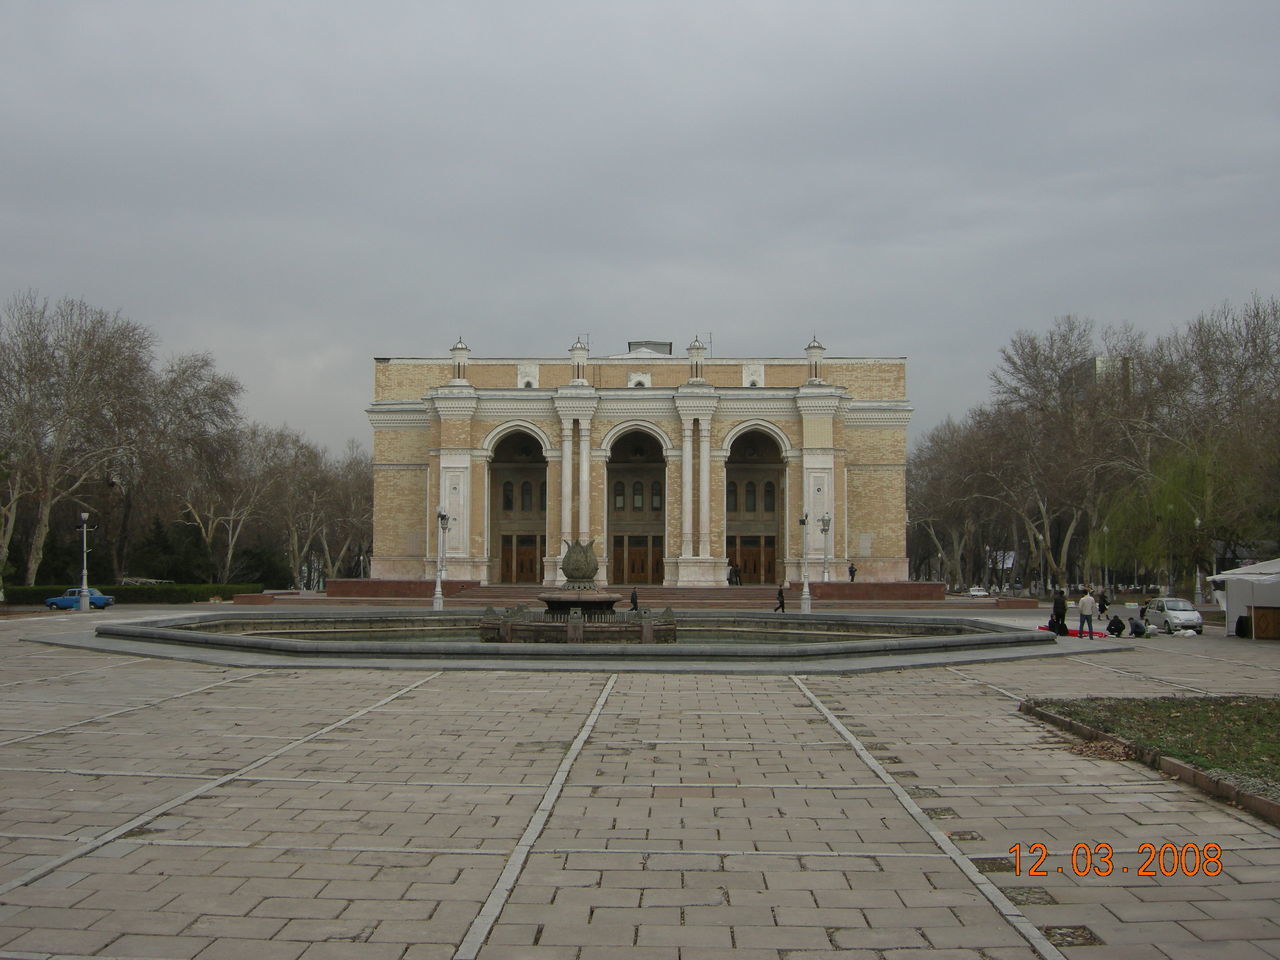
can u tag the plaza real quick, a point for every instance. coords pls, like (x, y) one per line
(160, 808)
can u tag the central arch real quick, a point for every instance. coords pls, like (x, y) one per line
(754, 505)
(636, 507)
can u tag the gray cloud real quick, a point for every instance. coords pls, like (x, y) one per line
(299, 188)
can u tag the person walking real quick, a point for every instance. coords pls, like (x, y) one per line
(782, 602)
(1088, 607)
(635, 599)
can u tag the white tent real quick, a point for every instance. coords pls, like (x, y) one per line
(1247, 588)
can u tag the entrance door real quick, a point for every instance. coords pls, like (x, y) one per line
(749, 559)
(528, 559)
(508, 560)
(768, 557)
(638, 560)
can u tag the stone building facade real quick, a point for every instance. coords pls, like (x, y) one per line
(676, 467)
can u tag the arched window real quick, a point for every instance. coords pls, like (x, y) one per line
(526, 496)
(731, 497)
(619, 496)
(656, 491)
(769, 497)
(508, 496)
(542, 496)
(637, 496)
(528, 384)
(750, 491)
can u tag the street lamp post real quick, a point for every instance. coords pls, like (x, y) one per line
(1106, 556)
(437, 601)
(1199, 596)
(806, 602)
(825, 522)
(84, 561)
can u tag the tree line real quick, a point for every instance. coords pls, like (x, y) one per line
(1103, 456)
(177, 484)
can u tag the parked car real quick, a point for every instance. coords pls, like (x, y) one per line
(71, 600)
(1172, 613)
(978, 592)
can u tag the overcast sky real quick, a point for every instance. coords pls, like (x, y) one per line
(300, 187)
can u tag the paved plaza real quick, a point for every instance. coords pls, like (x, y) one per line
(166, 809)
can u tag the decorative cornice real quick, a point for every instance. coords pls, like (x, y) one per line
(818, 401)
(693, 400)
(758, 407)
(401, 466)
(509, 404)
(576, 403)
(398, 417)
(878, 416)
(875, 467)
(454, 403)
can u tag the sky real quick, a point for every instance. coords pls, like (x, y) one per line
(298, 188)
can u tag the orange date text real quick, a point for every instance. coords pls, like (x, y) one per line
(1164, 860)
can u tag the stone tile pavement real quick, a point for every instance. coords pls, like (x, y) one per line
(155, 808)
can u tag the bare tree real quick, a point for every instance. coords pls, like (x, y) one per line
(85, 373)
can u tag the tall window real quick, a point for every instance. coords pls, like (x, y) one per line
(637, 496)
(731, 497)
(542, 496)
(526, 496)
(508, 496)
(769, 497)
(619, 496)
(656, 503)
(750, 491)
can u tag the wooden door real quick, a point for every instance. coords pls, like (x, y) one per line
(527, 560)
(637, 559)
(619, 561)
(768, 558)
(749, 555)
(507, 574)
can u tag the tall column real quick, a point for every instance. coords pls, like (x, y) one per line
(584, 479)
(704, 487)
(566, 482)
(686, 489)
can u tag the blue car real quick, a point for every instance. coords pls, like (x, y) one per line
(71, 600)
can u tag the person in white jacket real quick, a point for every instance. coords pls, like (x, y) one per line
(1088, 607)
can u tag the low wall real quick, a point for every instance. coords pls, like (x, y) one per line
(910, 590)
(396, 588)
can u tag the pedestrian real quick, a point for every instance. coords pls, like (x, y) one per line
(1103, 603)
(1059, 606)
(853, 572)
(1115, 626)
(1137, 628)
(635, 599)
(782, 602)
(1088, 607)
(735, 575)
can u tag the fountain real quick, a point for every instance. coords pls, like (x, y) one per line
(578, 612)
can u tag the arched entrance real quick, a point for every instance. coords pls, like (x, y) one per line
(637, 498)
(754, 502)
(517, 509)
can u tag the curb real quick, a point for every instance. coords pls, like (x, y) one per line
(1268, 810)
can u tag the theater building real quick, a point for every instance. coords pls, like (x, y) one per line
(675, 466)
